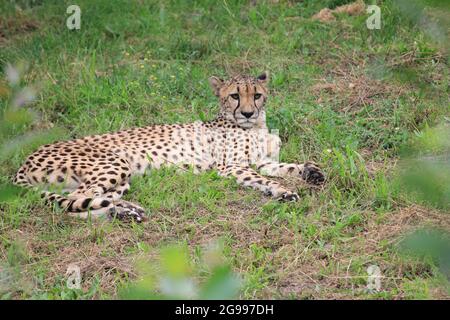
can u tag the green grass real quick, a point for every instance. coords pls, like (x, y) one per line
(141, 62)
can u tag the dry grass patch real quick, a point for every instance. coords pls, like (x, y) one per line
(13, 27)
(351, 89)
(337, 270)
(352, 9)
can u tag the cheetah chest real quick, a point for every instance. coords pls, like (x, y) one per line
(200, 147)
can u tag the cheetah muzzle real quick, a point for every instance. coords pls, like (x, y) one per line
(96, 170)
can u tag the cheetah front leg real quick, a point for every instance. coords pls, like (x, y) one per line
(248, 177)
(308, 171)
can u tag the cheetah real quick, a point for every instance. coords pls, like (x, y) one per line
(93, 173)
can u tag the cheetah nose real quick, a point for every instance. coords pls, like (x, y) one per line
(247, 114)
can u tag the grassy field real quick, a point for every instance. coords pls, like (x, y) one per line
(342, 95)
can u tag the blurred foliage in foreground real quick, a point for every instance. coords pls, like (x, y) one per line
(429, 244)
(20, 127)
(11, 277)
(175, 277)
(425, 176)
(425, 168)
(431, 16)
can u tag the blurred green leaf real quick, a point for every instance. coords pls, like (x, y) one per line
(222, 284)
(429, 243)
(14, 121)
(28, 141)
(175, 278)
(429, 182)
(175, 261)
(9, 192)
(425, 168)
(138, 291)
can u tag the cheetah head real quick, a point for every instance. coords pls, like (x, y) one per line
(242, 99)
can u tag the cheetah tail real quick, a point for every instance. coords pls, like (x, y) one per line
(71, 205)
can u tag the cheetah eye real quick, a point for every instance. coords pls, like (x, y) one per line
(257, 96)
(235, 96)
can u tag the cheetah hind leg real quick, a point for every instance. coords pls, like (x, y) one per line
(127, 212)
(93, 214)
(121, 210)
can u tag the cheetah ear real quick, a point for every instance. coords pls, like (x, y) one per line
(264, 77)
(216, 83)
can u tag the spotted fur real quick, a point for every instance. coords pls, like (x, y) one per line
(96, 170)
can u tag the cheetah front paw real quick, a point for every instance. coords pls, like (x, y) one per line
(312, 174)
(288, 196)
